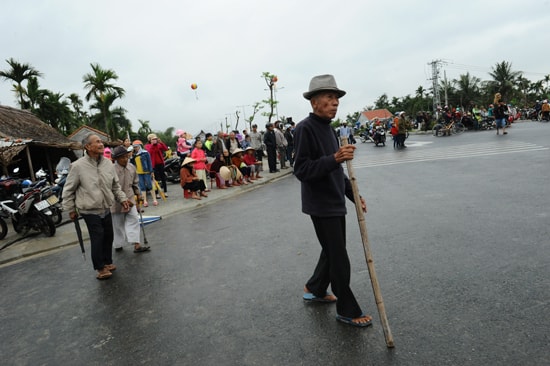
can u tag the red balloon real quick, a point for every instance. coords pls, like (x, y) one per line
(194, 86)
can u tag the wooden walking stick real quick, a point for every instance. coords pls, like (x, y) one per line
(368, 254)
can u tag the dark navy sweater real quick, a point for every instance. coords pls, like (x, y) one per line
(324, 184)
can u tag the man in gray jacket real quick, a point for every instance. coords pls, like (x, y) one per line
(91, 189)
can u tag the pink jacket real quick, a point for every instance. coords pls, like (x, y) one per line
(183, 146)
(200, 157)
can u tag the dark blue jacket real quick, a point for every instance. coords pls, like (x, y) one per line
(324, 184)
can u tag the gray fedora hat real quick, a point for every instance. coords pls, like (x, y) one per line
(321, 83)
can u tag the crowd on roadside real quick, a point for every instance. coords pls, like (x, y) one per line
(230, 159)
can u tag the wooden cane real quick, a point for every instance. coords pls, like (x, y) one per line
(368, 254)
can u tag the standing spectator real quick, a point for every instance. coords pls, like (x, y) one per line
(232, 143)
(156, 149)
(220, 149)
(126, 222)
(256, 142)
(270, 142)
(127, 143)
(144, 168)
(344, 131)
(324, 190)
(500, 108)
(402, 128)
(107, 154)
(209, 147)
(91, 189)
(281, 144)
(289, 136)
(545, 108)
(245, 143)
(394, 134)
(200, 162)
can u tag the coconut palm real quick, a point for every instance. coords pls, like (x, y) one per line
(18, 74)
(504, 79)
(467, 89)
(100, 86)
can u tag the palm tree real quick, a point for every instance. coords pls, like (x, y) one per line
(467, 88)
(100, 85)
(102, 120)
(18, 74)
(54, 111)
(504, 79)
(546, 80)
(420, 91)
(144, 129)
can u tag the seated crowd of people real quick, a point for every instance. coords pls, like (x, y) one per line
(228, 159)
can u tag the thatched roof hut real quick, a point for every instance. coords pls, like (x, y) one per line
(44, 146)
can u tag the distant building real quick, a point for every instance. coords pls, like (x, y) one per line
(369, 116)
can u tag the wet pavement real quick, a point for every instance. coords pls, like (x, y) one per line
(460, 245)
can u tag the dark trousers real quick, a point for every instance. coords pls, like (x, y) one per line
(195, 186)
(272, 158)
(101, 239)
(259, 155)
(333, 266)
(160, 176)
(282, 155)
(290, 154)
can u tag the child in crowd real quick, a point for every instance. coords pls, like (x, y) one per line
(200, 161)
(183, 148)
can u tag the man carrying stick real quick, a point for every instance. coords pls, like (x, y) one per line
(126, 221)
(317, 165)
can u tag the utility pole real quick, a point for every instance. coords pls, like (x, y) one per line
(436, 65)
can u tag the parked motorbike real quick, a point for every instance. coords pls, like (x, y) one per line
(61, 170)
(28, 211)
(172, 169)
(487, 123)
(48, 193)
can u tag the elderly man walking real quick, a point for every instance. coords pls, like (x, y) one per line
(126, 221)
(92, 187)
(324, 189)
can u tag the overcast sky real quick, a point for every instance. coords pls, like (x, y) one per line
(159, 48)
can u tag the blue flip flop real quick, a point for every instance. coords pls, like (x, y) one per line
(350, 321)
(309, 297)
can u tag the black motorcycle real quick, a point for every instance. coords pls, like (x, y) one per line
(172, 169)
(28, 211)
(379, 136)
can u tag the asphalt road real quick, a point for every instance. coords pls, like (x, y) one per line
(459, 232)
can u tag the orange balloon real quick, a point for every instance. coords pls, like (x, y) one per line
(274, 79)
(194, 86)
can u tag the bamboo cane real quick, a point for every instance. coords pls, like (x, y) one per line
(368, 254)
